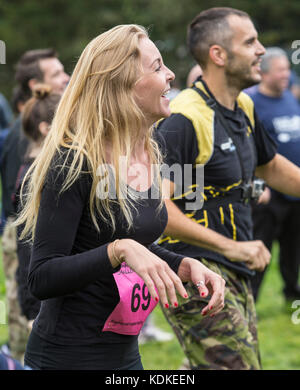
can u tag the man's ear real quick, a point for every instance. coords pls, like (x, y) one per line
(217, 55)
(32, 83)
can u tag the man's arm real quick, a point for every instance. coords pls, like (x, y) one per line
(253, 253)
(281, 175)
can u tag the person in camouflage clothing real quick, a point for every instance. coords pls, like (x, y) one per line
(18, 330)
(204, 338)
(214, 128)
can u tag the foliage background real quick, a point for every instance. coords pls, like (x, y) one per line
(69, 25)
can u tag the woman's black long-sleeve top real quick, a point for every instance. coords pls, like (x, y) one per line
(70, 270)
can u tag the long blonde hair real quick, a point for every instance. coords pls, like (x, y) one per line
(97, 106)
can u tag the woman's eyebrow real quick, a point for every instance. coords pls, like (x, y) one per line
(158, 60)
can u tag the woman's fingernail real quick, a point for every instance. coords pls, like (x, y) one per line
(204, 313)
(156, 299)
(175, 304)
(202, 294)
(167, 305)
(210, 307)
(186, 296)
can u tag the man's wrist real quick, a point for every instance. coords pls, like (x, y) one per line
(223, 245)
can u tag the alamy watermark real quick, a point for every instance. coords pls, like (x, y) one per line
(2, 313)
(188, 180)
(296, 315)
(2, 53)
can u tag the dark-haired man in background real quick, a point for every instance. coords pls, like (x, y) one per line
(35, 66)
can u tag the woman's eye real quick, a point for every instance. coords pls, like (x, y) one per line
(158, 69)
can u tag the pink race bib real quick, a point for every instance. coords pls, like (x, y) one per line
(135, 303)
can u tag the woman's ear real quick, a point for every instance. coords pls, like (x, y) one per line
(44, 128)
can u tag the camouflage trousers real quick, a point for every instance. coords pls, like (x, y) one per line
(227, 341)
(18, 330)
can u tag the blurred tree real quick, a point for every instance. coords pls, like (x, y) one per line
(69, 25)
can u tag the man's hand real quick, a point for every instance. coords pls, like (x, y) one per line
(254, 253)
(265, 196)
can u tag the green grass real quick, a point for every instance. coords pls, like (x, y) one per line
(279, 337)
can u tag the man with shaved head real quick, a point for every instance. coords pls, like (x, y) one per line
(214, 127)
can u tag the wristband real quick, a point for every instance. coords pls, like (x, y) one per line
(118, 260)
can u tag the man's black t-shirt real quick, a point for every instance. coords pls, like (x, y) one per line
(222, 172)
(70, 270)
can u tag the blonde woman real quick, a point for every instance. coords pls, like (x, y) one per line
(91, 216)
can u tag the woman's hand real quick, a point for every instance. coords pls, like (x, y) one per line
(207, 281)
(161, 281)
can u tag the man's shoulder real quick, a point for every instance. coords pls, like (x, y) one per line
(245, 98)
(192, 118)
(187, 101)
(289, 96)
(173, 121)
(190, 105)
